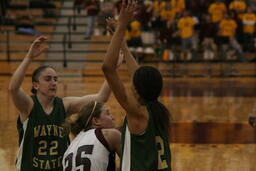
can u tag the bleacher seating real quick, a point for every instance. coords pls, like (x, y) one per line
(42, 23)
(19, 43)
(8, 68)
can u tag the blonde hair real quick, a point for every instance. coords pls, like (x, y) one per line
(84, 118)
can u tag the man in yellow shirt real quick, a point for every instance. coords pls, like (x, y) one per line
(227, 27)
(227, 33)
(133, 37)
(217, 10)
(168, 13)
(238, 6)
(178, 5)
(158, 6)
(186, 30)
(248, 20)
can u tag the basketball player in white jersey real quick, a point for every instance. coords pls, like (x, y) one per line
(96, 140)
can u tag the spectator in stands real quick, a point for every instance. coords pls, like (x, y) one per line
(178, 6)
(145, 14)
(217, 11)
(227, 33)
(238, 6)
(158, 6)
(106, 11)
(134, 39)
(207, 35)
(199, 8)
(157, 22)
(168, 13)
(92, 7)
(186, 30)
(168, 36)
(169, 39)
(248, 20)
(135, 33)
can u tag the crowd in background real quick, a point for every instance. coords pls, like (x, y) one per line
(189, 30)
(174, 29)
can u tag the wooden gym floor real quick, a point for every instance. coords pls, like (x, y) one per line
(209, 131)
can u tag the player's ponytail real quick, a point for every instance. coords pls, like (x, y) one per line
(148, 83)
(162, 117)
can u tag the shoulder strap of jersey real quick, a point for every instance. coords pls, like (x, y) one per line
(101, 138)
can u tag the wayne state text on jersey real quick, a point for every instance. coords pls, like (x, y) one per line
(47, 164)
(48, 130)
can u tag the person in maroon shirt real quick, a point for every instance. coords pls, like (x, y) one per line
(92, 7)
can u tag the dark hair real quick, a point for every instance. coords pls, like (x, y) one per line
(162, 117)
(36, 74)
(84, 119)
(148, 83)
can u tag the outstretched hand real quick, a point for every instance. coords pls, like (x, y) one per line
(37, 48)
(127, 12)
(111, 25)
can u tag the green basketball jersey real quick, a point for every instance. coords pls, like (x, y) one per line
(42, 142)
(147, 152)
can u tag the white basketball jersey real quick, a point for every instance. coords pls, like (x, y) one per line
(89, 151)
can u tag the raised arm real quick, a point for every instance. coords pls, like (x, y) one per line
(74, 104)
(22, 101)
(125, 99)
(131, 63)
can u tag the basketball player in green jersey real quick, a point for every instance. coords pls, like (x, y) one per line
(145, 135)
(42, 142)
